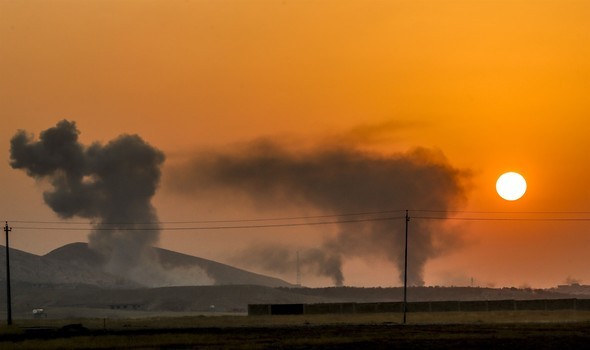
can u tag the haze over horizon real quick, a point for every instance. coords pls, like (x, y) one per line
(338, 93)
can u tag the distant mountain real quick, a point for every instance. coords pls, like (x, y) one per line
(69, 282)
(222, 274)
(35, 269)
(77, 263)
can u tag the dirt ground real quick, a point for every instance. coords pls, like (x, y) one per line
(241, 332)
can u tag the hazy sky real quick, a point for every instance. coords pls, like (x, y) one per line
(494, 86)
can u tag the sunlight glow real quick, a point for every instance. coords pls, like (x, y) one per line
(511, 186)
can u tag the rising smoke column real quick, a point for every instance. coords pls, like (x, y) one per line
(112, 185)
(337, 179)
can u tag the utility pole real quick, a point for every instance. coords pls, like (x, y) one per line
(298, 282)
(8, 296)
(406, 269)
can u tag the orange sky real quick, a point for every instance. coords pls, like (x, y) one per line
(495, 85)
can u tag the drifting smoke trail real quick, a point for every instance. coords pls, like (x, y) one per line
(110, 184)
(281, 259)
(337, 179)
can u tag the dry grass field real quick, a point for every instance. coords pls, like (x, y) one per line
(523, 330)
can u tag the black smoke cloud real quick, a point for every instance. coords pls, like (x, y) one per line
(110, 184)
(337, 179)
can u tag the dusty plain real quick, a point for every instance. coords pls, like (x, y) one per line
(463, 330)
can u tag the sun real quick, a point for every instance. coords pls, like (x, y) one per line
(511, 186)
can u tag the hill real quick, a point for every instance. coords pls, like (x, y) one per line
(77, 264)
(35, 269)
(81, 255)
(71, 278)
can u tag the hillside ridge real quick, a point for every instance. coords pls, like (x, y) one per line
(76, 263)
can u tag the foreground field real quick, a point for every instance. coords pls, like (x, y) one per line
(524, 330)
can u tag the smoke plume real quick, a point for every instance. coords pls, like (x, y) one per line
(281, 259)
(110, 184)
(337, 179)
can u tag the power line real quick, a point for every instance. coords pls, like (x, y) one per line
(212, 221)
(308, 217)
(502, 212)
(557, 216)
(198, 228)
(497, 219)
